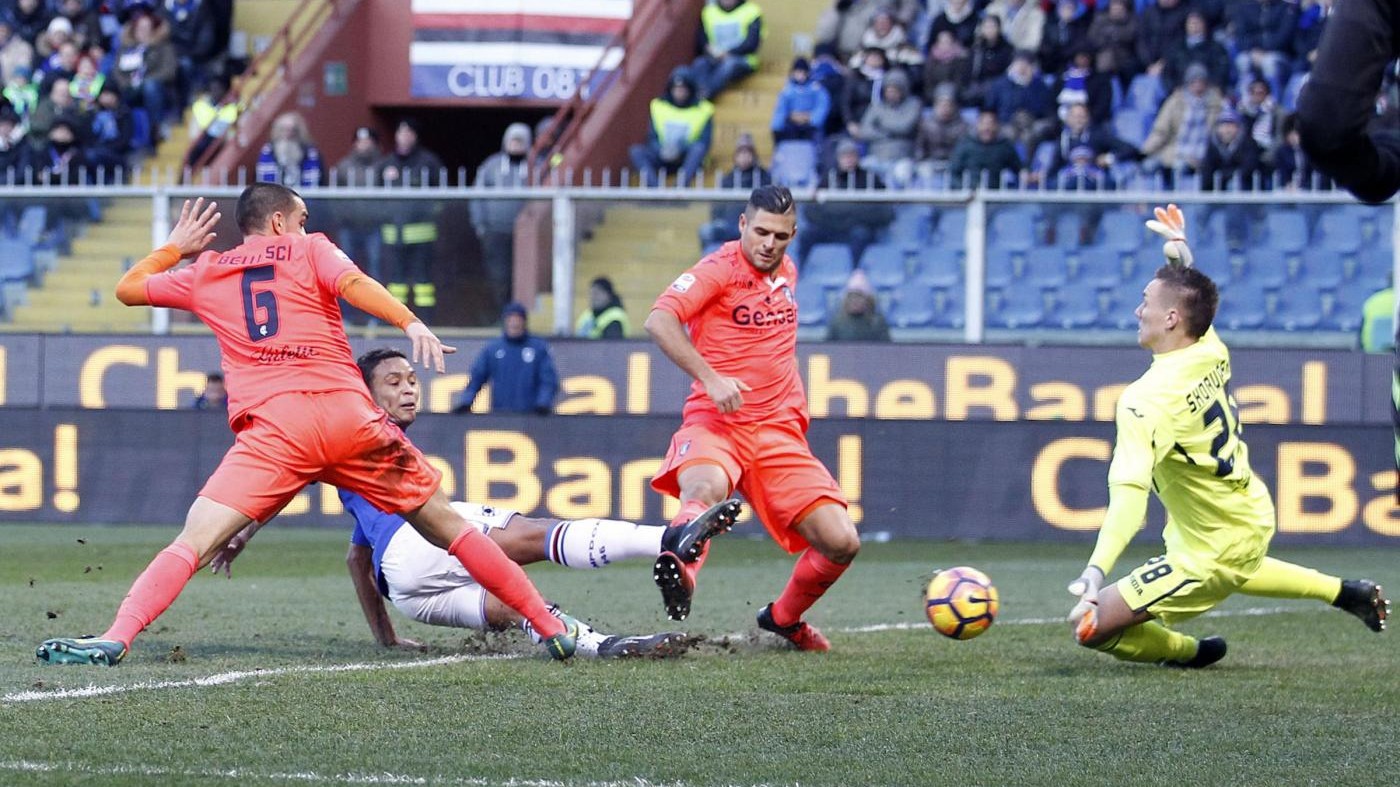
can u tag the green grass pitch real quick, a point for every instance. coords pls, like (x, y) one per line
(1306, 696)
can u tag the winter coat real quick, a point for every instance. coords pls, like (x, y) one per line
(1161, 141)
(890, 128)
(522, 376)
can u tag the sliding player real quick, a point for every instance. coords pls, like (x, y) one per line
(1179, 435)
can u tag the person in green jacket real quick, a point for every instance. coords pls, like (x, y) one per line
(605, 317)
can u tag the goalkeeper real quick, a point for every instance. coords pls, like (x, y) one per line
(1179, 435)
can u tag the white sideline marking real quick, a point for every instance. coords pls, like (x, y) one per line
(30, 766)
(223, 678)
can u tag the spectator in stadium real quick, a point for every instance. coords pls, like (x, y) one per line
(411, 232)
(859, 319)
(200, 30)
(747, 174)
(1263, 32)
(15, 159)
(15, 52)
(1199, 46)
(982, 159)
(358, 221)
(604, 318)
(1081, 83)
(802, 107)
(854, 224)
(87, 82)
(146, 69)
(830, 73)
(109, 136)
(519, 367)
(212, 115)
(958, 17)
(1312, 20)
(215, 393)
(890, 124)
(84, 22)
(1082, 173)
(1293, 169)
(1378, 310)
(31, 19)
(494, 219)
(62, 161)
(57, 105)
(845, 22)
(1116, 31)
(1024, 105)
(939, 133)
(1232, 159)
(290, 157)
(1161, 26)
(1066, 32)
(1022, 20)
(1183, 126)
(55, 36)
(991, 56)
(948, 63)
(1077, 131)
(730, 34)
(61, 63)
(680, 132)
(21, 94)
(1262, 118)
(888, 34)
(860, 87)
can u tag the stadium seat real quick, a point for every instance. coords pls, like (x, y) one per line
(883, 263)
(949, 308)
(1344, 313)
(1046, 267)
(1373, 266)
(1003, 267)
(1044, 157)
(1068, 226)
(16, 260)
(1100, 267)
(1075, 306)
(828, 264)
(939, 267)
(1214, 261)
(795, 163)
(913, 306)
(1121, 231)
(1013, 228)
(1286, 230)
(1117, 309)
(1131, 126)
(1297, 307)
(1015, 307)
(811, 302)
(952, 228)
(913, 224)
(1145, 93)
(1321, 272)
(1242, 307)
(1266, 268)
(1339, 230)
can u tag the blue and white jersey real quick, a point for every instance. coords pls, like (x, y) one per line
(373, 529)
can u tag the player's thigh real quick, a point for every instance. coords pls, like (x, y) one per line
(521, 538)
(702, 455)
(785, 484)
(1111, 615)
(463, 606)
(266, 467)
(372, 457)
(1171, 590)
(208, 527)
(425, 581)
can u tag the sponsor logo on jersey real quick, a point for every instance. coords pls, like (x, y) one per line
(683, 282)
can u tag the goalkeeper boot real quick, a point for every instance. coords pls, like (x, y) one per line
(677, 583)
(1208, 651)
(656, 646)
(1366, 600)
(686, 541)
(81, 650)
(803, 635)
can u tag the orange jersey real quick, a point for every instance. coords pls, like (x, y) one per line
(744, 324)
(272, 304)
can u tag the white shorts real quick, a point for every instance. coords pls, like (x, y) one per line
(430, 585)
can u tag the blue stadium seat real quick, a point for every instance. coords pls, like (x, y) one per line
(913, 306)
(1131, 125)
(1015, 307)
(949, 308)
(1320, 271)
(1145, 92)
(16, 260)
(1286, 230)
(1121, 231)
(1013, 227)
(32, 222)
(913, 224)
(1100, 267)
(952, 228)
(1373, 266)
(884, 264)
(1214, 261)
(1003, 267)
(1297, 307)
(1075, 306)
(795, 163)
(828, 264)
(1046, 267)
(1044, 157)
(811, 302)
(1117, 309)
(1068, 226)
(940, 267)
(1242, 307)
(1345, 311)
(1265, 267)
(1339, 229)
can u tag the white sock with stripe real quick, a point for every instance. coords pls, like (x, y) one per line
(594, 543)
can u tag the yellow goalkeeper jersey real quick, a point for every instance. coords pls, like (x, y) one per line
(1179, 435)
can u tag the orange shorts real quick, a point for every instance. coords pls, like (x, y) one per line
(770, 464)
(339, 437)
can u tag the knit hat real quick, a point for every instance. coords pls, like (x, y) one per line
(859, 282)
(746, 141)
(800, 64)
(514, 307)
(846, 146)
(1228, 115)
(1196, 71)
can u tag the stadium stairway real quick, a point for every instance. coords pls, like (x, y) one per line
(659, 241)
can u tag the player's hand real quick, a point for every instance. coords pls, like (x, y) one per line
(1086, 588)
(195, 229)
(1171, 224)
(727, 393)
(223, 560)
(427, 347)
(404, 643)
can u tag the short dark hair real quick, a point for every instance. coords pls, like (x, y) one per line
(370, 361)
(259, 201)
(1199, 297)
(771, 199)
(214, 377)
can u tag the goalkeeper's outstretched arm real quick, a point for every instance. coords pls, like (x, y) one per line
(1171, 224)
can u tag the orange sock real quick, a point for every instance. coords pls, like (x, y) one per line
(811, 577)
(503, 579)
(154, 591)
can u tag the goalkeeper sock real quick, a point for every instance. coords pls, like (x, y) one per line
(503, 579)
(594, 543)
(811, 577)
(1151, 642)
(1278, 579)
(154, 591)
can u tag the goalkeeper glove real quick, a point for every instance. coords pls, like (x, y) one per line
(1086, 588)
(1171, 224)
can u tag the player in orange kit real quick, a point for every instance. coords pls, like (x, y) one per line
(297, 405)
(730, 322)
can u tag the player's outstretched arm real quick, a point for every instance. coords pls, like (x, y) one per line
(1171, 224)
(360, 563)
(191, 234)
(369, 296)
(668, 333)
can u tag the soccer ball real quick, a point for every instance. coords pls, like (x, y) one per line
(961, 602)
